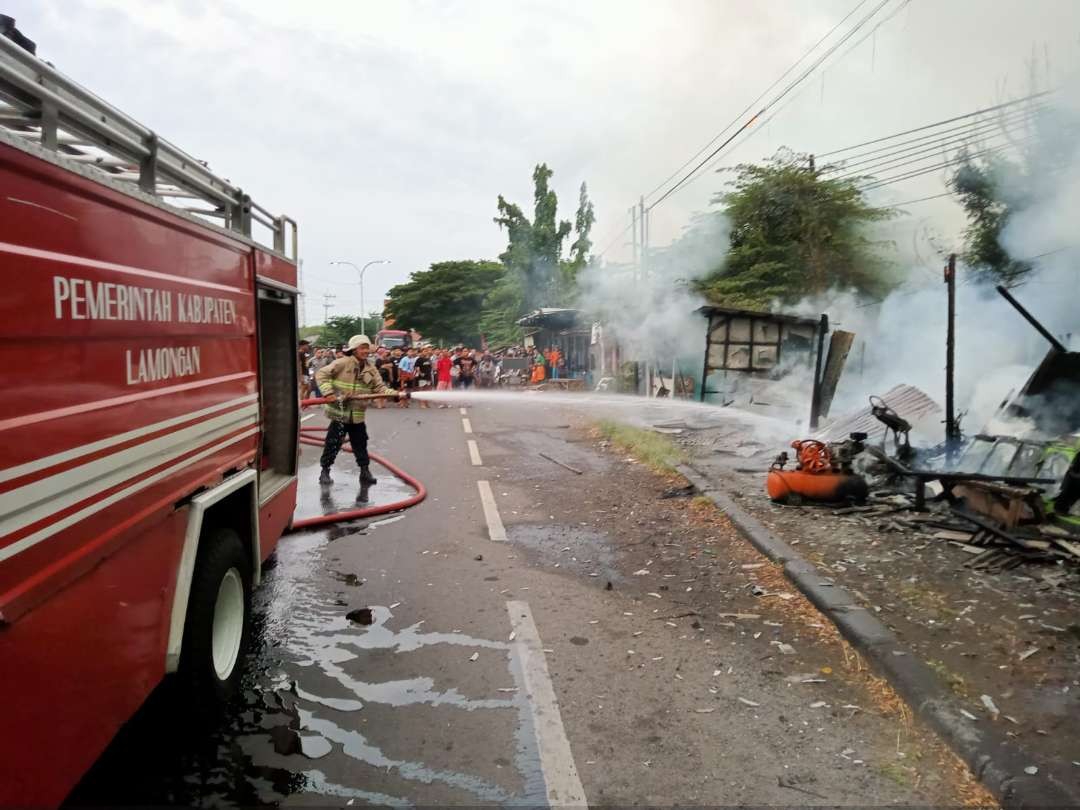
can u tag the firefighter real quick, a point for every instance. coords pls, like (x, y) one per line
(348, 377)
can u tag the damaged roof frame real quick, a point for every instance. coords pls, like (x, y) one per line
(754, 343)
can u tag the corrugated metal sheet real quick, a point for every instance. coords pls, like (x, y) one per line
(907, 400)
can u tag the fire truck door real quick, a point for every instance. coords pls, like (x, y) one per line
(278, 380)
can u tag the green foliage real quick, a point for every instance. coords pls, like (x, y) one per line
(373, 324)
(534, 250)
(979, 186)
(795, 232)
(444, 303)
(502, 308)
(655, 451)
(566, 289)
(583, 222)
(993, 189)
(339, 329)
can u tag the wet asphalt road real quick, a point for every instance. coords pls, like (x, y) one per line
(445, 697)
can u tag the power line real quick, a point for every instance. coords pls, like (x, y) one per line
(921, 199)
(762, 95)
(937, 123)
(986, 129)
(932, 152)
(783, 106)
(1007, 118)
(615, 239)
(885, 181)
(776, 100)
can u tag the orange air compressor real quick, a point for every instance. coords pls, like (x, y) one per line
(823, 472)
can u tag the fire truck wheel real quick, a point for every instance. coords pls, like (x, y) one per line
(218, 622)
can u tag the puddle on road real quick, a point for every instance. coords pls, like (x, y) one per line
(303, 701)
(345, 494)
(575, 549)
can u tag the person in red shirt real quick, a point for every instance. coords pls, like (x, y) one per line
(442, 371)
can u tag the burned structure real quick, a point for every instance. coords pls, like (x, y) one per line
(1009, 494)
(743, 345)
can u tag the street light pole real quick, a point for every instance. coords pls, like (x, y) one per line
(360, 270)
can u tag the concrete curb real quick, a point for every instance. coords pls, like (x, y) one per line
(993, 758)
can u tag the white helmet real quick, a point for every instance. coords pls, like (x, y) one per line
(357, 340)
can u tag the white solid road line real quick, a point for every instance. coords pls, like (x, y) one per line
(465, 423)
(496, 531)
(556, 759)
(464, 411)
(474, 454)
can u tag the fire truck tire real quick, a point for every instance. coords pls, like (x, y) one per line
(218, 623)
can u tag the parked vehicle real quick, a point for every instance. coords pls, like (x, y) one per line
(148, 423)
(393, 339)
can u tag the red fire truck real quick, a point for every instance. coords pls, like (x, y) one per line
(148, 421)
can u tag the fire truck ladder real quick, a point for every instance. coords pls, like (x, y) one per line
(40, 105)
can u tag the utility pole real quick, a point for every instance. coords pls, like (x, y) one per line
(327, 305)
(634, 237)
(643, 276)
(644, 219)
(952, 430)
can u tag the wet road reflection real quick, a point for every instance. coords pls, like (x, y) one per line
(346, 492)
(360, 700)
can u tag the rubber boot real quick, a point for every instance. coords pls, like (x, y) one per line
(324, 477)
(366, 477)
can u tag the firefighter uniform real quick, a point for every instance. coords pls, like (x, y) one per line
(340, 379)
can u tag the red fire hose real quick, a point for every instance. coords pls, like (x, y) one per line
(314, 436)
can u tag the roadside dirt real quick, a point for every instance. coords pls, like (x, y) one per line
(1011, 636)
(684, 563)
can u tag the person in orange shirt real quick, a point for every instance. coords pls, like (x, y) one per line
(553, 360)
(538, 368)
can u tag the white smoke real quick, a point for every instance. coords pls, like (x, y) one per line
(652, 315)
(902, 339)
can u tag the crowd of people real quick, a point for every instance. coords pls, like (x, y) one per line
(347, 378)
(434, 369)
(414, 369)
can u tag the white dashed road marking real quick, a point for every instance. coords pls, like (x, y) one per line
(474, 454)
(556, 759)
(464, 411)
(465, 423)
(496, 531)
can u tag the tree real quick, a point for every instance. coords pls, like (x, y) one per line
(444, 303)
(995, 190)
(534, 249)
(579, 250)
(537, 273)
(979, 187)
(373, 323)
(503, 307)
(795, 232)
(339, 329)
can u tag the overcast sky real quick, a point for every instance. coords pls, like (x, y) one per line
(387, 129)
